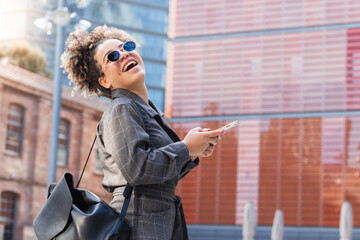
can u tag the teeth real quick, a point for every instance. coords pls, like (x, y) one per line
(128, 64)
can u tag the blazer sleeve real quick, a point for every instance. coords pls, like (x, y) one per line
(188, 167)
(128, 143)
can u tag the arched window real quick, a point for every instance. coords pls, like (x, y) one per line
(15, 130)
(8, 209)
(63, 142)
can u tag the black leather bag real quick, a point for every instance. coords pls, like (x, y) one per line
(77, 214)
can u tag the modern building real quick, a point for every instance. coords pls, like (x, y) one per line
(290, 72)
(146, 20)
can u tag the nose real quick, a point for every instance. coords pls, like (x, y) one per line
(123, 54)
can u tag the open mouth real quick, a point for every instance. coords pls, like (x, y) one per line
(129, 66)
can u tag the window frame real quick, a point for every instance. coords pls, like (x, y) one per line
(21, 134)
(67, 147)
(13, 212)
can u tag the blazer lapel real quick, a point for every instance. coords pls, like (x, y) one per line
(164, 124)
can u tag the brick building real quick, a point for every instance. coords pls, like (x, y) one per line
(25, 117)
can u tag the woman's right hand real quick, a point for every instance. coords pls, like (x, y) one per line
(198, 140)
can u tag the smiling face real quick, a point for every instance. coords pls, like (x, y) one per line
(127, 72)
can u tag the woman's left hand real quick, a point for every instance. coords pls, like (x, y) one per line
(208, 151)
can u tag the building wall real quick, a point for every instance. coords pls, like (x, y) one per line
(26, 175)
(204, 18)
(289, 71)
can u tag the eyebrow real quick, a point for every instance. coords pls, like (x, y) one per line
(120, 45)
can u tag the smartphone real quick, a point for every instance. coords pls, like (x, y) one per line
(229, 125)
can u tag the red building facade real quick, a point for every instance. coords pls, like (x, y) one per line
(25, 114)
(290, 72)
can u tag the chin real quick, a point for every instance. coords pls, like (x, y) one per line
(140, 76)
(138, 79)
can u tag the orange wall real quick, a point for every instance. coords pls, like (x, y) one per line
(305, 166)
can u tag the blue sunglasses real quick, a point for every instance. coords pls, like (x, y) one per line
(115, 55)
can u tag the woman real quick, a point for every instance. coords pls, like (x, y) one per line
(135, 142)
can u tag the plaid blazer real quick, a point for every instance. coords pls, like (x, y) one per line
(137, 145)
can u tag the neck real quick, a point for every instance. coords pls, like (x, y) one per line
(144, 96)
(139, 89)
(142, 92)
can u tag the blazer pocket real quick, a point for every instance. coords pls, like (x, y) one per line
(153, 207)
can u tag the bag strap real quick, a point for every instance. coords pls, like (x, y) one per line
(127, 192)
(87, 159)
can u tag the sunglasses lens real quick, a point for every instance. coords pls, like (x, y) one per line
(129, 46)
(113, 56)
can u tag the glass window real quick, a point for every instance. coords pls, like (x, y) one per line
(63, 142)
(15, 130)
(127, 15)
(157, 97)
(159, 3)
(155, 74)
(150, 46)
(8, 214)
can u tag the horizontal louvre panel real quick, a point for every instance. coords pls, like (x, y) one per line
(305, 166)
(218, 17)
(282, 73)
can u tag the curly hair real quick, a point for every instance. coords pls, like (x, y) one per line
(79, 58)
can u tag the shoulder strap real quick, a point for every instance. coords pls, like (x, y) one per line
(127, 192)
(87, 159)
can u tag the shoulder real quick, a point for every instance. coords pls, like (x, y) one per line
(122, 110)
(121, 105)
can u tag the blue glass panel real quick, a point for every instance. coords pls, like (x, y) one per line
(157, 97)
(150, 46)
(160, 3)
(155, 74)
(127, 15)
